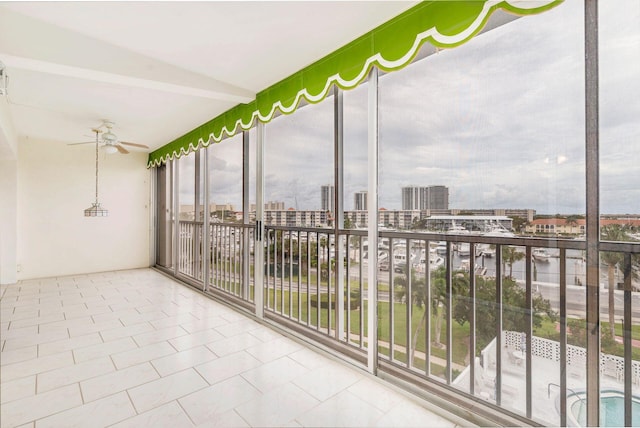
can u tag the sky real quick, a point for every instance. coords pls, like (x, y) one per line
(498, 120)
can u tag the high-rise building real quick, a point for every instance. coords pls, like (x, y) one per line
(269, 206)
(327, 195)
(360, 201)
(425, 198)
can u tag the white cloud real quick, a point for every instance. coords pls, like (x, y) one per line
(499, 120)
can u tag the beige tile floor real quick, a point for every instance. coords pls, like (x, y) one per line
(137, 349)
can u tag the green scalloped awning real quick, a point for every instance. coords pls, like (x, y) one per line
(391, 46)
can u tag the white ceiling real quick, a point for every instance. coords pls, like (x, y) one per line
(158, 69)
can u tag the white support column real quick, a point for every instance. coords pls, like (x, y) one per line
(206, 233)
(372, 208)
(153, 216)
(338, 216)
(176, 216)
(259, 235)
(245, 216)
(592, 180)
(195, 238)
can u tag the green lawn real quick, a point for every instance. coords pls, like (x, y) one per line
(286, 303)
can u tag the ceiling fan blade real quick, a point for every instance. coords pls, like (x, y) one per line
(121, 149)
(142, 146)
(86, 142)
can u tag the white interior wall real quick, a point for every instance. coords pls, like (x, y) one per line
(55, 183)
(8, 216)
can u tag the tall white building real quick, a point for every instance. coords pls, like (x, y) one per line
(360, 201)
(271, 205)
(327, 194)
(425, 198)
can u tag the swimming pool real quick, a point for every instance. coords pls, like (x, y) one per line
(611, 409)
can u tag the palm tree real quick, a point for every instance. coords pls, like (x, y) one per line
(612, 232)
(419, 298)
(510, 255)
(438, 299)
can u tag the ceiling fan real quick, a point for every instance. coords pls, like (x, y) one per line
(109, 140)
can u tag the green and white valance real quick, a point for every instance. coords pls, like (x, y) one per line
(391, 46)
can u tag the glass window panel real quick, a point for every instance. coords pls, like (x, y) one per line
(355, 152)
(619, 134)
(488, 128)
(475, 117)
(186, 172)
(299, 183)
(299, 162)
(355, 198)
(190, 225)
(252, 174)
(225, 178)
(164, 224)
(619, 72)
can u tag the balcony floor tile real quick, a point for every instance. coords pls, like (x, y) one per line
(137, 349)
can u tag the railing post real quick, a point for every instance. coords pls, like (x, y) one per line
(372, 266)
(258, 248)
(528, 329)
(498, 302)
(448, 305)
(628, 342)
(408, 302)
(563, 337)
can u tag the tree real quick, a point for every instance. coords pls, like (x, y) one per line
(418, 298)
(510, 255)
(513, 304)
(415, 223)
(578, 336)
(348, 224)
(612, 232)
(518, 223)
(572, 220)
(419, 295)
(514, 312)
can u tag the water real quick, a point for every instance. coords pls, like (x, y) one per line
(544, 271)
(611, 410)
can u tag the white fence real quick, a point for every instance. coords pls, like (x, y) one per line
(611, 365)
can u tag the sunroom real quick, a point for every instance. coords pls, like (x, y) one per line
(362, 185)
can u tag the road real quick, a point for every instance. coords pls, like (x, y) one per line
(576, 295)
(576, 300)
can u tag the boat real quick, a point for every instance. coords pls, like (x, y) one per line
(464, 249)
(441, 248)
(485, 250)
(457, 230)
(477, 269)
(497, 230)
(400, 258)
(435, 262)
(541, 255)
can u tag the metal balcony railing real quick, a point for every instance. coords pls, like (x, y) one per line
(232, 268)
(491, 319)
(190, 254)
